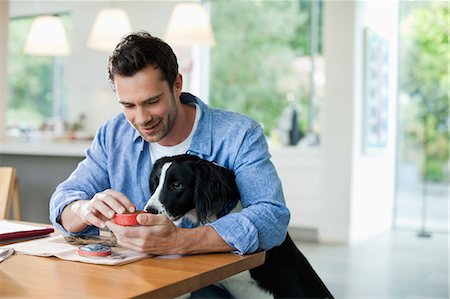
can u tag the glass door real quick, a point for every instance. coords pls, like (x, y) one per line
(422, 189)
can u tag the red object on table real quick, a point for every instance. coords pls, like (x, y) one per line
(26, 234)
(128, 219)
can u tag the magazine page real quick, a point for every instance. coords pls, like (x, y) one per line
(59, 247)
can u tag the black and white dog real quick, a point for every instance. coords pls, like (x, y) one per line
(186, 186)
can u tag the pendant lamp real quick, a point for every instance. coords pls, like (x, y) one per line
(189, 26)
(47, 37)
(110, 26)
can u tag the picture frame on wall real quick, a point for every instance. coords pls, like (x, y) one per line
(376, 92)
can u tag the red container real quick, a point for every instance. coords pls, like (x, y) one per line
(127, 219)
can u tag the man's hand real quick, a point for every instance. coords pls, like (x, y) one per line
(158, 235)
(96, 211)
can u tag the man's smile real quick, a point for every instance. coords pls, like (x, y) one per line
(150, 129)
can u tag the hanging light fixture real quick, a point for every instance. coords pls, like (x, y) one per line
(189, 26)
(110, 26)
(47, 37)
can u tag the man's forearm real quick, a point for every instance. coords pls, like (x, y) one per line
(202, 239)
(70, 217)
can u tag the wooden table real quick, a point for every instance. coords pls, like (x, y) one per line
(50, 277)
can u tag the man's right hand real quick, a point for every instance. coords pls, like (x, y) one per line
(102, 207)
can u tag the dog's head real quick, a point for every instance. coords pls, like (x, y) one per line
(187, 185)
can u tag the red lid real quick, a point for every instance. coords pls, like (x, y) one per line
(127, 219)
(94, 250)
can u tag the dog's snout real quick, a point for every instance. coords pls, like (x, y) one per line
(151, 210)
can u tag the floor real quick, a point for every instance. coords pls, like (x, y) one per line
(419, 204)
(395, 264)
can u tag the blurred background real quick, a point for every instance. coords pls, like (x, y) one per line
(353, 97)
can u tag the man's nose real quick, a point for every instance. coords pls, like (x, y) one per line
(142, 117)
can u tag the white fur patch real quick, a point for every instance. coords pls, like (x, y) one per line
(154, 201)
(243, 286)
(240, 286)
(191, 216)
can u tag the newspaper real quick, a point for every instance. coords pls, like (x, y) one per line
(59, 247)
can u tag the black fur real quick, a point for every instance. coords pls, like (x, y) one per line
(208, 188)
(288, 274)
(205, 186)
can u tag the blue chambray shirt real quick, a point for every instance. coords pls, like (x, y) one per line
(119, 159)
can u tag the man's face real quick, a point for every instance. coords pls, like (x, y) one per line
(148, 102)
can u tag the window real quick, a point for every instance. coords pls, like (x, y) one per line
(35, 87)
(267, 61)
(423, 120)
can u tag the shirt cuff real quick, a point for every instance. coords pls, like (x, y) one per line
(238, 232)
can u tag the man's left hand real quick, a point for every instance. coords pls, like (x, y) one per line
(156, 235)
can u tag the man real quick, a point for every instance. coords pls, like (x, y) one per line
(160, 120)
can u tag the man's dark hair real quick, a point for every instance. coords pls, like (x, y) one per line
(138, 50)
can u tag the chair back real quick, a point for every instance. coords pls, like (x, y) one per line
(9, 192)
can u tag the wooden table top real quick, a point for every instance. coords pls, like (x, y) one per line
(50, 277)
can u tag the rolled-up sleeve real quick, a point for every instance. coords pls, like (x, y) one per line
(88, 178)
(263, 221)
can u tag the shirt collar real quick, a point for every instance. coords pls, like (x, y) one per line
(202, 139)
(136, 134)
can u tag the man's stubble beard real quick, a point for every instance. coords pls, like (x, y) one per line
(166, 125)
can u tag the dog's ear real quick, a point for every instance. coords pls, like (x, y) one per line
(155, 174)
(215, 187)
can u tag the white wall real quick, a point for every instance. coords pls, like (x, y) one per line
(337, 124)
(358, 189)
(373, 177)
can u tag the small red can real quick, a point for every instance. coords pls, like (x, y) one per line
(127, 219)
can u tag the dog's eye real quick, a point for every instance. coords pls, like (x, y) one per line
(177, 185)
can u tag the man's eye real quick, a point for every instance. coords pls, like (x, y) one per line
(177, 185)
(152, 102)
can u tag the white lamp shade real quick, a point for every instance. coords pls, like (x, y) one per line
(110, 26)
(189, 26)
(47, 37)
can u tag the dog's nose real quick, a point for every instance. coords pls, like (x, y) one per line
(151, 210)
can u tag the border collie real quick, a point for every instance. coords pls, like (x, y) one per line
(188, 187)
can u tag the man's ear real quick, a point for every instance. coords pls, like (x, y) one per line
(178, 86)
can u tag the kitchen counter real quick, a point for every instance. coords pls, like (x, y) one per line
(77, 148)
(44, 148)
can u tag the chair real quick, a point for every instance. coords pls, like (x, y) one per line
(9, 193)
